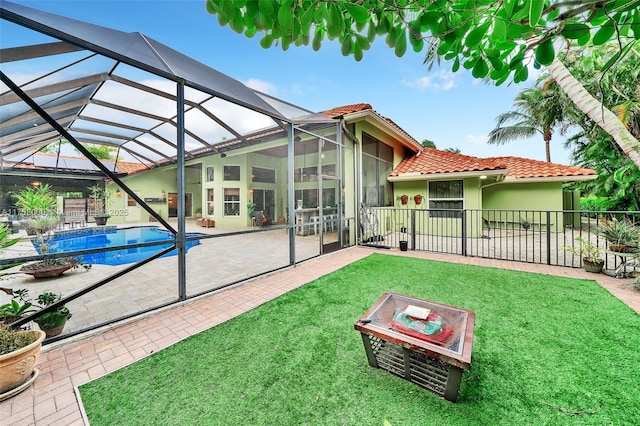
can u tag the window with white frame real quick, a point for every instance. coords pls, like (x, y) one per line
(446, 198)
(232, 173)
(232, 201)
(209, 173)
(210, 202)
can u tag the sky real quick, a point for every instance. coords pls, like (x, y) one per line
(454, 110)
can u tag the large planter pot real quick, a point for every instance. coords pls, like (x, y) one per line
(16, 368)
(591, 266)
(45, 272)
(53, 325)
(101, 220)
(404, 245)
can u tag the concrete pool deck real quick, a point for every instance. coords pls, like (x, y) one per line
(52, 400)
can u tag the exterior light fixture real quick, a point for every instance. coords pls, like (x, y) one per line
(118, 192)
(162, 194)
(483, 177)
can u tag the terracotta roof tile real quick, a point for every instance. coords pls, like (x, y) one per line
(434, 161)
(346, 109)
(526, 168)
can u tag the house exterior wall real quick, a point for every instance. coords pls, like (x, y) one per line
(441, 226)
(533, 197)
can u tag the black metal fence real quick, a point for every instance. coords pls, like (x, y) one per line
(533, 236)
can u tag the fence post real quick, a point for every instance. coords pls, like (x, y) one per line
(548, 237)
(413, 229)
(464, 232)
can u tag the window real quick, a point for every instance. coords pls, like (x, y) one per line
(258, 174)
(232, 173)
(210, 205)
(209, 173)
(232, 201)
(447, 196)
(377, 163)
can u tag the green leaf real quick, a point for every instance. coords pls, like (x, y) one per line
(535, 12)
(474, 37)
(362, 42)
(522, 73)
(401, 42)
(480, 69)
(357, 52)
(266, 41)
(456, 65)
(545, 52)
(267, 6)
(317, 39)
(359, 13)
(285, 15)
(575, 31)
(605, 33)
(347, 47)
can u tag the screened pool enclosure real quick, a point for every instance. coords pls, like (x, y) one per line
(260, 183)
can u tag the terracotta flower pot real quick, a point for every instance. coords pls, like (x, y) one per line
(404, 199)
(16, 367)
(417, 199)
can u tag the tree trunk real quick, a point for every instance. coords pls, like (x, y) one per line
(594, 109)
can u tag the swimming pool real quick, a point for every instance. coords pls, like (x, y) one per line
(101, 237)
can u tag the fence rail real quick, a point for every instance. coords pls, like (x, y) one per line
(533, 236)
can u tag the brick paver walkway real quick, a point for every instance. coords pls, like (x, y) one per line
(52, 400)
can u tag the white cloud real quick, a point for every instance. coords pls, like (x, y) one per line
(261, 86)
(476, 139)
(442, 80)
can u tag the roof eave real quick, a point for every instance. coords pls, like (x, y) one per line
(407, 177)
(375, 119)
(580, 178)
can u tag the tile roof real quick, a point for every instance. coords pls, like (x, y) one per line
(521, 168)
(53, 161)
(432, 161)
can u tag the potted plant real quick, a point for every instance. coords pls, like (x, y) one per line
(5, 233)
(35, 202)
(417, 198)
(404, 199)
(48, 268)
(591, 255)
(623, 236)
(101, 200)
(52, 323)
(198, 212)
(19, 351)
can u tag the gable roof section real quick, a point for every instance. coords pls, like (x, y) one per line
(354, 112)
(433, 163)
(52, 162)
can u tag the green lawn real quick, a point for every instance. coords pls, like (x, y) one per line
(547, 350)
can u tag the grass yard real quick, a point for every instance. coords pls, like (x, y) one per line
(547, 350)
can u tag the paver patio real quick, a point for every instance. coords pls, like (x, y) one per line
(52, 400)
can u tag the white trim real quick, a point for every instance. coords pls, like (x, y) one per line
(550, 179)
(379, 122)
(444, 176)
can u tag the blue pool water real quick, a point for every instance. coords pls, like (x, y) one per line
(100, 237)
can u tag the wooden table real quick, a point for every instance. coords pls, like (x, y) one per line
(437, 367)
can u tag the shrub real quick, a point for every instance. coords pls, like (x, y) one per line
(11, 340)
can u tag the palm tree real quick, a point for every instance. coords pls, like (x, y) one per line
(537, 111)
(596, 111)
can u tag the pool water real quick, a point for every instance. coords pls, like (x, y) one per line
(93, 238)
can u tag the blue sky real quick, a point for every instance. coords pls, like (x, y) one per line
(453, 110)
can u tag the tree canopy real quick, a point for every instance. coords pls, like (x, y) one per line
(489, 37)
